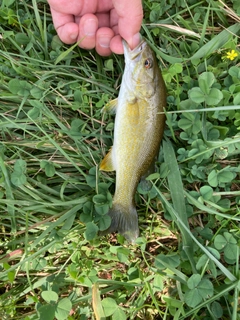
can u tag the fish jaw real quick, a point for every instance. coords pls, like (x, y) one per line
(132, 54)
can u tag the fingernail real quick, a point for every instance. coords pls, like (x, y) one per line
(73, 36)
(104, 42)
(135, 40)
(90, 27)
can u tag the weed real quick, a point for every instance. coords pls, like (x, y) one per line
(54, 200)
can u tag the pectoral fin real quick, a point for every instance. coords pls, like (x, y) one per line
(111, 106)
(107, 162)
(133, 112)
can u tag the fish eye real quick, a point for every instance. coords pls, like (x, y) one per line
(148, 63)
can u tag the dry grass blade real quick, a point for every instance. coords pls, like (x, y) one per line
(177, 29)
(229, 11)
(96, 302)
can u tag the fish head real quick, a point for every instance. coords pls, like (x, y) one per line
(141, 69)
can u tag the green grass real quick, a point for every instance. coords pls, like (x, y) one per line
(53, 199)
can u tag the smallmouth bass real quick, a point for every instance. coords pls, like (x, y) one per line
(138, 131)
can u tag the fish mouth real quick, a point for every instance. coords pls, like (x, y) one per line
(133, 54)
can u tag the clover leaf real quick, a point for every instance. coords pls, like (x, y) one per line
(199, 289)
(205, 92)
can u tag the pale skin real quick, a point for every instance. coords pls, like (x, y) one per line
(99, 24)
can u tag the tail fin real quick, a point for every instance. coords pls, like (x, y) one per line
(125, 221)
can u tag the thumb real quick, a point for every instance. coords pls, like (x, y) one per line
(130, 14)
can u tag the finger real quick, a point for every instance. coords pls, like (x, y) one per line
(116, 44)
(114, 21)
(104, 5)
(103, 38)
(65, 26)
(130, 14)
(87, 31)
(73, 7)
(103, 19)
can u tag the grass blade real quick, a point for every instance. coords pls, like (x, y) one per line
(224, 270)
(217, 42)
(177, 195)
(9, 194)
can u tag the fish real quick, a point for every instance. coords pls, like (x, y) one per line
(138, 130)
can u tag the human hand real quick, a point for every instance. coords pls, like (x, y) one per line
(99, 24)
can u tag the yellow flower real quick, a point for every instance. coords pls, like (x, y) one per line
(231, 55)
